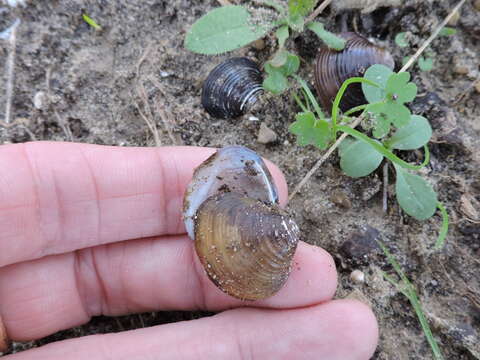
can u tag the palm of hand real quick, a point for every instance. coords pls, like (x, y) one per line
(88, 230)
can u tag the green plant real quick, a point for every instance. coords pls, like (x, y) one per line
(91, 22)
(387, 93)
(230, 27)
(407, 289)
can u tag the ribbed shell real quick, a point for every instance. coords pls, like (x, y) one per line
(245, 246)
(333, 67)
(232, 168)
(232, 88)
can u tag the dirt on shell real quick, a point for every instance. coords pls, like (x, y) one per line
(134, 84)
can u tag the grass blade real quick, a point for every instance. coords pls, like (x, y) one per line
(412, 296)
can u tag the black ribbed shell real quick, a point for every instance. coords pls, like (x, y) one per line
(232, 88)
(333, 67)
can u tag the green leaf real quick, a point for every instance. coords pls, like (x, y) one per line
(378, 74)
(400, 89)
(401, 40)
(301, 7)
(279, 59)
(447, 31)
(397, 114)
(412, 136)
(296, 22)
(289, 67)
(331, 40)
(282, 35)
(381, 122)
(223, 29)
(311, 131)
(275, 82)
(425, 64)
(358, 158)
(415, 196)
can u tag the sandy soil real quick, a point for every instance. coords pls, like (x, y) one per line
(73, 83)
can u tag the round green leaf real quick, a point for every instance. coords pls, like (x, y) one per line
(291, 65)
(412, 136)
(223, 29)
(425, 64)
(398, 114)
(275, 82)
(415, 196)
(401, 40)
(358, 158)
(378, 74)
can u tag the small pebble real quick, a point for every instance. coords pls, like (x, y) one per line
(164, 74)
(357, 276)
(266, 135)
(341, 199)
(253, 118)
(476, 5)
(477, 86)
(259, 44)
(40, 100)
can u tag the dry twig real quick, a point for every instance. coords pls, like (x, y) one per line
(317, 11)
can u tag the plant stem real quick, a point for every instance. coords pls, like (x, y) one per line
(317, 11)
(432, 37)
(385, 187)
(321, 161)
(383, 150)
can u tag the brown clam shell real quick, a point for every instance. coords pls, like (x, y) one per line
(333, 67)
(245, 246)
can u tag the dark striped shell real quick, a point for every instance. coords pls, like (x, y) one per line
(232, 88)
(333, 67)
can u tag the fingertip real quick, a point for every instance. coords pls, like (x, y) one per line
(320, 260)
(358, 325)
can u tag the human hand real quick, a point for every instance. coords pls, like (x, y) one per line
(88, 230)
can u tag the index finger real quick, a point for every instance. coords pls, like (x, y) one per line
(60, 197)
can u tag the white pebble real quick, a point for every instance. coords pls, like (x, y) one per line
(40, 100)
(357, 276)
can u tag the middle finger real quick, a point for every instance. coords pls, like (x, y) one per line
(57, 292)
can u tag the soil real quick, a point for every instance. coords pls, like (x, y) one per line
(73, 83)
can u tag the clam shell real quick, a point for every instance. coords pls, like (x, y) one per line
(333, 67)
(245, 246)
(232, 88)
(230, 169)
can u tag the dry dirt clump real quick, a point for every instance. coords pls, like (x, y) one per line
(134, 84)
